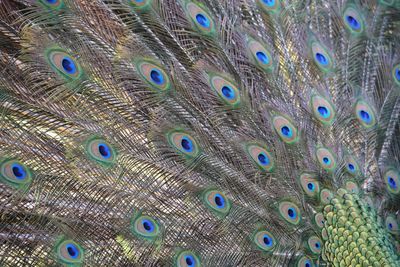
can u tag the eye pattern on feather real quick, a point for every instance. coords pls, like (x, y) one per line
(53, 4)
(187, 258)
(392, 178)
(285, 129)
(290, 212)
(305, 261)
(314, 244)
(352, 166)
(99, 150)
(200, 18)
(309, 185)
(260, 156)
(321, 56)
(396, 74)
(326, 159)
(261, 55)
(69, 252)
(226, 90)
(15, 173)
(154, 75)
(364, 114)
(319, 219)
(64, 64)
(264, 240)
(391, 225)
(326, 196)
(353, 20)
(140, 4)
(183, 143)
(352, 187)
(145, 226)
(217, 202)
(322, 109)
(269, 5)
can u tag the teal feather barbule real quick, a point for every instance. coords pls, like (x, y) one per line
(196, 133)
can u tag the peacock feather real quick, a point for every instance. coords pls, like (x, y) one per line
(195, 133)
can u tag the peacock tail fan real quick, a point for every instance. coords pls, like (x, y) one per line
(199, 133)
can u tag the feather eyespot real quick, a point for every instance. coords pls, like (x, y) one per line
(309, 185)
(53, 4)
(69, 252)
(154, 75)
(352, 187)
(314, 244)
(100, 151)
(261, 55)
(200, 18)
(396, 74)
(326, 196)
(322, 109)
(326, 159)
(391, 225)
(319, 220)
(353, 20)
(226, 90)
(64, 64)
(14, 173)
(264, 240)
(285, 129)
(304, 261)
(321, 56)
(271, 6)
(364, 114)
(187, 258)
(140, 4)
(392, 178)
(217, 202)
(352, 166)
(146, 227)
(183, 143)
(290, 212)
(261, 157)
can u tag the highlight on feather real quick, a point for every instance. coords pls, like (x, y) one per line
(396, 74)
(260, 156)
(314, 244)
(183, 143)
(15, 174)
(285, 129)
(309, 184)
(270, 6)
(352, 166)
(63, 64)
(140, 4)
(326, 158)
(391, 225)
(260, 55)
(264, 240)
(100, 151)
(187, 258)
(217, 202)
(392, 181)
(153, 74)
(290, 212)
(225, 89)
(321, 56)
(353, 20)
(69, 252)
(322, 109)
(304, 261)
(352, 187)
(326, 196)
(52, 4)
(364, 114)
(200, 18)
(319, 219)
(144, 226)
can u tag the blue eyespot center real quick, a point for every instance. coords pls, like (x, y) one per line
(18, 171)
(203, 20)
(187, 144)
(353, 23)
(267, 240)
(51, 1)
(311, 186)
(228, 92)
(286, 131)
(68, 65)
(219, 200)
(262, 57)
(390, 225)
(317, 245)
(365, 116)
(148, 226)
(351, 167)
(323, 111)
(326, 160)
(72, 250)
(263, 159)
(397, 74)
(307, 264)
(190, 261)
(321, 59)
(156, 76)
(104, 151)
(269, 2)
(392, 182)
(291, 212)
